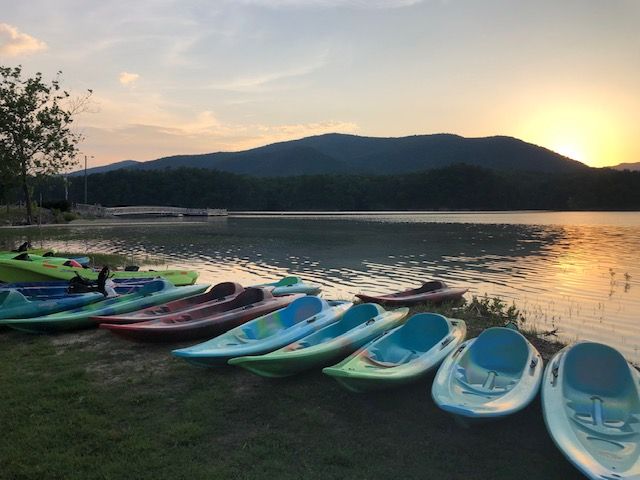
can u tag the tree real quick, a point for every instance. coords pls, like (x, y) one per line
(35, 128)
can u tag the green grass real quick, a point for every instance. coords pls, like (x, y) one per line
(88, 405)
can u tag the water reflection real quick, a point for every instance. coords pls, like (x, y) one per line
(580, 278)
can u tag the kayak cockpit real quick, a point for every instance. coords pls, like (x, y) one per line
(494, 363)
(600, 391)
(419, 335)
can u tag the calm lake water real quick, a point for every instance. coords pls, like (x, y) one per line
(578, 272)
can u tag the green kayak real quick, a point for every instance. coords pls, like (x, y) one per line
(403, 355)
(32, 257)
(14, 271)
(153, 293)
(358, 326)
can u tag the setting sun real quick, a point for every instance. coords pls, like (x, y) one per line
(583, 131)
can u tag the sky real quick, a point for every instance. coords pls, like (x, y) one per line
(197, 76)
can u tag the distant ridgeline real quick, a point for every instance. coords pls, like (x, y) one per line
(346, 172)
(350, 154)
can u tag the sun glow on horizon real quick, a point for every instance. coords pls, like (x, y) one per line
(581, 131)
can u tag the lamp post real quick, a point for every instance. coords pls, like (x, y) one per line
(85, 179)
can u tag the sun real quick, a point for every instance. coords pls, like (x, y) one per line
(570, 150)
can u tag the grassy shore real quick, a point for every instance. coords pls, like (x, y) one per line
(88, 405)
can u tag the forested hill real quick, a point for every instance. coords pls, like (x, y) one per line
(351, 154)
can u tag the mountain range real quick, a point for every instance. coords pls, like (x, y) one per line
(350, 154)
(634, 167)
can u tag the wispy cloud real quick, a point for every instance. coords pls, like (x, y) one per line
(127, 78)
(14, 43)
(332, 3)
(257, 80)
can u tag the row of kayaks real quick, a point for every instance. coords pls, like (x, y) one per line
(186, 312)
(590, 393)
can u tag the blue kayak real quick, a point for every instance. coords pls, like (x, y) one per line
(267, 333)
(59, 289)
(15, 305)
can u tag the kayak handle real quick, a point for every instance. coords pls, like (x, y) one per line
(534, 363)
(370, 321)
(312, 319)
(446, 341)
(460, 348)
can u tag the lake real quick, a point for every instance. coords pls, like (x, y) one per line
(574, 271)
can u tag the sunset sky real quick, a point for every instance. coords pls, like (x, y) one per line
(200, 76)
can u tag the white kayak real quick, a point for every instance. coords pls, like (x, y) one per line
(488, 377)
(591, 406)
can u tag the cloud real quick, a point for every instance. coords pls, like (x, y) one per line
(14, 43)
(203, 134)
(254, 82)
(127, 78)
(377, 4)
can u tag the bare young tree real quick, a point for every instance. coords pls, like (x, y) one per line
(35, 128)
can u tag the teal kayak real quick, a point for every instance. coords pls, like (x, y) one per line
(358, 326)
(488, 377)
(403, 355)
(15, 305)
(267, 333)
(153, 293)
(591, 406)
(291, 285)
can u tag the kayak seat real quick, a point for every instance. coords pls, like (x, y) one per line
(155, 286)
(224, 289)
(485, 383)
(500, 349)
(431, 286)
(494, 362)
(416, 337)
(600, 390)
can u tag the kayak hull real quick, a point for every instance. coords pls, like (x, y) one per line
(591, 407)
(402, 356)
(358, 326)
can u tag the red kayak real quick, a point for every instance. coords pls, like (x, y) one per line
(432, 292)
(220, 294)
(206, 322)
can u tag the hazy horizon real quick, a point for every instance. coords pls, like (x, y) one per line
(198, 77)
